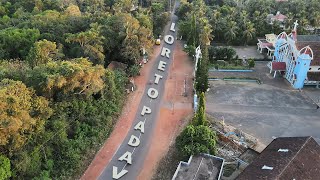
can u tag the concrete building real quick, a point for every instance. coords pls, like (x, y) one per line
(280, 18)
(203, 166)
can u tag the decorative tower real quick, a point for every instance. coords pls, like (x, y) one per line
(302, 66)
(281, 39)
(294, 31)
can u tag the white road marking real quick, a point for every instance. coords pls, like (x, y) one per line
(133, 148)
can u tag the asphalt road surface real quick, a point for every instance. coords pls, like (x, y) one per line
(139, 153)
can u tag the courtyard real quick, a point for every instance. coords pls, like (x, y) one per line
(267, 110)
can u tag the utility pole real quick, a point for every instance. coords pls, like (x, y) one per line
(170, 5)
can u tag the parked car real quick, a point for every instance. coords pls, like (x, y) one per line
(158, 41)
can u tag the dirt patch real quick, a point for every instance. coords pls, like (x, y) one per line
(176, 105)
(168, 164)
(123, 125)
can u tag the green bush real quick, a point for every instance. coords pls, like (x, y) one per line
(221, 53)
(196, 139)
(251, 63)
(190, 50)
(133, 70)
(5, 168)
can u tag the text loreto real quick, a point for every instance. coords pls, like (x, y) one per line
(153, 93)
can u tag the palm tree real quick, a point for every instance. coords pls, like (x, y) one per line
(315, 19)
(248, 33)
(205, 35)
(231, 31)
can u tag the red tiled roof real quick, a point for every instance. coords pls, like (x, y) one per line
(300, 161)
(313, 76)
(266, 44)
(114, 65)
(280, 17)
(278, 66)
(315, 46)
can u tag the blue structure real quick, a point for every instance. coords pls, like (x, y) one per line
(302, 67)
(294, 62)
(195, 102)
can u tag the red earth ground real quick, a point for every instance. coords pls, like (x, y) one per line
(174, 107)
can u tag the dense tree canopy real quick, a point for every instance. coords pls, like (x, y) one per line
(43, 52)
(58, 101)
(16, 43)
(22, 113)
(90, 42)
(239, 22)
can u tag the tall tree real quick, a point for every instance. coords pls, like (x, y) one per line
(90, 42)
(193, 31)
(196, 139)
(205, 34)
(59, 79)
(200, 116)
(42, 52)
(22, 114)
(248, 33)
(231, 31)
(201, 84)
(16, 43)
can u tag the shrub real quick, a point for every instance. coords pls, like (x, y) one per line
(5, 168)
(223, 53)
(134, 70)
(196, 139)
(190, 50)
(251, 63)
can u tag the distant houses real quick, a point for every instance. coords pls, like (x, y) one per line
(280, 18)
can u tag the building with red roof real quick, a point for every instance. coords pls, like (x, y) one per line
(286, 158)
(277, 17)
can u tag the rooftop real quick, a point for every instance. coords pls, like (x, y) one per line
(278, 66)
(278, 16)
(114, 65)
(308, 38)
(249, 155)
(200, 167)
(315, 46)
(313, 76)
(286, 158)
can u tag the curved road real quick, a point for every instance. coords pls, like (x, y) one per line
(124, 170)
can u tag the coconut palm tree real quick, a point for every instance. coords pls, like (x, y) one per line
(248, 33)
(205, 35)
(231, 31)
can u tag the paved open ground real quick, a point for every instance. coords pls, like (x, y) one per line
(270, 109)
(249, 52)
